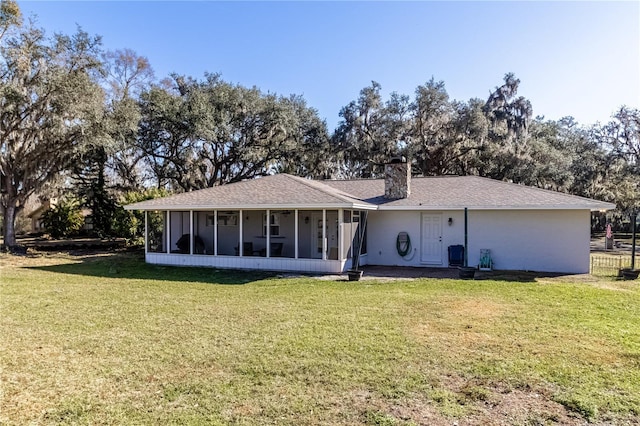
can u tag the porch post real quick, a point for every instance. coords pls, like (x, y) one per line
(146, 232)
(240, 244)
(168, 225)
(215, 232)
(324, 234)
(191, 237)
(268, 231)
(340, 239)
(296, 234)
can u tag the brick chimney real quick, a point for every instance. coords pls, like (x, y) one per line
(397, 178)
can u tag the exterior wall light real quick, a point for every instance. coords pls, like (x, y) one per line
(450, 221)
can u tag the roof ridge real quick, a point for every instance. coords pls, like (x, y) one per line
(318, 185)
(382, 178)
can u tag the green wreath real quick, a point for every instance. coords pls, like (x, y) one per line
(403, 252)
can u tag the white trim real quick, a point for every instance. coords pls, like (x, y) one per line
(330, 206)
(340, 232)
(268, 239)
(324, 234)
(240, 229)
(296, 233)
(192, 239)
(592, 207)
(249, 262)
(168, 225)
(146, 232)
(215, 232)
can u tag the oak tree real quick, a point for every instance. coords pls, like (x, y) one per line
(49, 105)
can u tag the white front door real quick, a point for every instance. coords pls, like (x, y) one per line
(431, 238)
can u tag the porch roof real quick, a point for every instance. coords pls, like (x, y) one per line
(281, 191)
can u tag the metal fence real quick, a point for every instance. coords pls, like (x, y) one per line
(611, 265)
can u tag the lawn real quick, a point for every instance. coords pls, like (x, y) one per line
(110, 340)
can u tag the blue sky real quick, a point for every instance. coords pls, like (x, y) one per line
(573, 58)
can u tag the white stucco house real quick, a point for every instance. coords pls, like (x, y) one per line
(283, 222)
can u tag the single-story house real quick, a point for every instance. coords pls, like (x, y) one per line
(36, 215)
(37, 224)
(284, 222)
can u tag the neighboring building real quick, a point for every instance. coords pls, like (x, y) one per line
(283, 222)
(36, 215)
(46, 204)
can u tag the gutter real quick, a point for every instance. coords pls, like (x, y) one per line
(200, 207)
(604, 207)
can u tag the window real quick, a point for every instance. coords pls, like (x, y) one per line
(228, 219)
(274, 225)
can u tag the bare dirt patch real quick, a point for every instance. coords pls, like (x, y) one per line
(35, 258)
(477, 308)
(476, 405)
(518, 407)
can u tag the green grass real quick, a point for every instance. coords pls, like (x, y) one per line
(110, 340)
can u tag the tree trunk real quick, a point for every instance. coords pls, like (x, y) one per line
(8, 225)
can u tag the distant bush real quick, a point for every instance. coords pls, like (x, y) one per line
(64, 219)
(130, 224)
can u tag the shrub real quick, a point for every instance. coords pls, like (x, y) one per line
(63, 220)
(130, 224)
(127, 224)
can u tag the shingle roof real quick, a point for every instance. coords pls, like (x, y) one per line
(277, 191)
(427, 193)
(458, 192)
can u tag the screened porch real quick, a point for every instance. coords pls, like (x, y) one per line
(321, 240)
